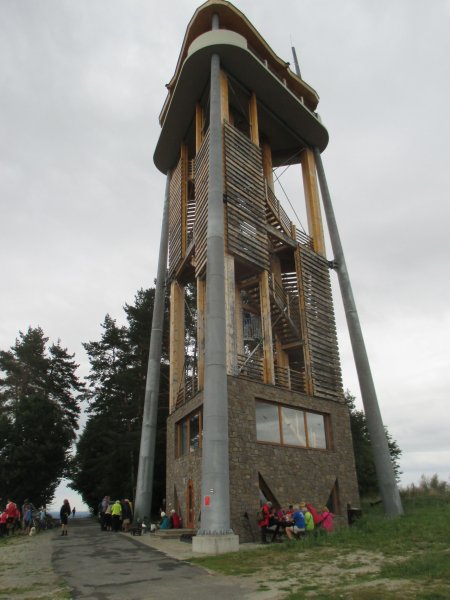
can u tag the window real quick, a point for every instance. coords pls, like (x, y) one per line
(290, 426)
(188, 433)
(267, 422)
(316, 431)
(184, 433)
(293, 422)
(194, 432)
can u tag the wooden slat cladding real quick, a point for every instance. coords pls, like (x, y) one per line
(315, 287)
(201, 206)
(245, 193)
(175, 219)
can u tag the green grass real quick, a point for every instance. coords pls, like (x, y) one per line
(429, 566)
(408, 557)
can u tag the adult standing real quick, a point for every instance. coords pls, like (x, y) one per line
(12, 514)
(116, 515)
(103, 505)
(64, 514)
(127, 515)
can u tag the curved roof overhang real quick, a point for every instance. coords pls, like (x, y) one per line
(299, 124)
(234, 20)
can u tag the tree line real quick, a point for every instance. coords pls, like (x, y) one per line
(41, 398)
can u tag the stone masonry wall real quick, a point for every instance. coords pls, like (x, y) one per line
(181, 470)
(292, 474)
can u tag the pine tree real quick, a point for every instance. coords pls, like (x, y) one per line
(38, 416)
(365, 465)
(108, 450)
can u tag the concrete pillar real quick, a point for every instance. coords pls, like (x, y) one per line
(215, 533)
(144, 487)
(385, 471)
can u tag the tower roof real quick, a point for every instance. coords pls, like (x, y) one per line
(285, 98)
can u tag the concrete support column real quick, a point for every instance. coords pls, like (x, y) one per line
(144, 487)
(215, 499)
(385, 472)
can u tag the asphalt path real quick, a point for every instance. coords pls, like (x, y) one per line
(99, 565)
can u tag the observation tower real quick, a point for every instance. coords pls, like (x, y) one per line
(257, 407)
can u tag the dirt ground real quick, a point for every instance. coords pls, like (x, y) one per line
(26, 571)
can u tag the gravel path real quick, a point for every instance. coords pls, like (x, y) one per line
(26, 571)
(92, 565)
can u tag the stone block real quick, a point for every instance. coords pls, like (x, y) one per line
(215, 544)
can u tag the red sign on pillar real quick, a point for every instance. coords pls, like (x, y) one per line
(207, 500)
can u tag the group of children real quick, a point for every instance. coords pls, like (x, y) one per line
(297, 521)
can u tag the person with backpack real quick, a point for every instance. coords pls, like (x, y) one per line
(64, 514)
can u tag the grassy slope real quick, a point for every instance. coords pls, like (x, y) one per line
(404, 558)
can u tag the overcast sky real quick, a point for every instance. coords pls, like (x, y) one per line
(82, 83)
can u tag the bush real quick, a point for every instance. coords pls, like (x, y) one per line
(428, 486)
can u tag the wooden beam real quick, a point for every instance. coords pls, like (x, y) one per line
(292, 345)
(312, 200)
(309, 383)
(253, 117)
(199, 124)
(266, 323)
(201, 296)
(224, 105)
(177, 331)
(280, 235)
(267, 164)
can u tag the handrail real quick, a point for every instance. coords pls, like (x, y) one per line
(249, 366)
(187, 391)
(290, 379)
(301, 237)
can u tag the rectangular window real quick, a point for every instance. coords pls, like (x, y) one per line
(188, 433)
(316, 431)
(290, 426)
(184, 426)
(194, 432)
(267, 422)
(293, 426)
